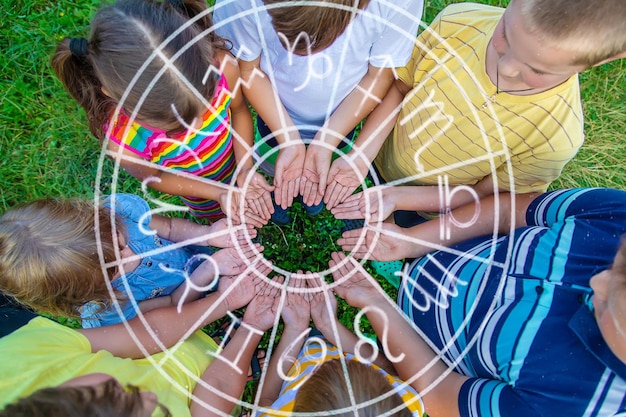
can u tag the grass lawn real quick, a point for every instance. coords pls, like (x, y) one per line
(47, 149)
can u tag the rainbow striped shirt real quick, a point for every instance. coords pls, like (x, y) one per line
(206, 152)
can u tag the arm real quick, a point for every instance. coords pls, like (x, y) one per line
(488, 215)
(262, 96)
(413, 359)
(355, 107)
(165, 327)
(257, 192)
(216, 234)
(227, 374)
(296, 317)
(342, 180)
(324, 315)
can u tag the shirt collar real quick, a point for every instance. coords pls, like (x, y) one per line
(584, 325)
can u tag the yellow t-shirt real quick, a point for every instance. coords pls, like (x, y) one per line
(454, 124)
(45, 354)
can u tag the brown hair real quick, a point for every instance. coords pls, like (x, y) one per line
(111, 401)
(326, 390)
(129, 44)
(596, 29)
(49, 254)
(319, 25)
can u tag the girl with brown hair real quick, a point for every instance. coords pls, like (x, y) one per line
(161, 91)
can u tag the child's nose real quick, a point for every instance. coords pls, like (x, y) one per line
(508, 66)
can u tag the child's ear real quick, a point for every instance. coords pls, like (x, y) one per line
(613, 58)
(105, 91)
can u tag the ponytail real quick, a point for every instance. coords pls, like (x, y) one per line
(73, 67)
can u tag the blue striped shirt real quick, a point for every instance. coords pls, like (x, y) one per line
(515, 312)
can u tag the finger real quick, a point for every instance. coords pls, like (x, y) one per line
(292, 192)
(267, 204)
(330, 199)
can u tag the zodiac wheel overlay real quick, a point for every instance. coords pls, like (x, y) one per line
(446, 193)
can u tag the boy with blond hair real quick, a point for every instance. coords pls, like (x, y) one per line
(490, 101)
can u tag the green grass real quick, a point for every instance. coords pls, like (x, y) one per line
(47, 149)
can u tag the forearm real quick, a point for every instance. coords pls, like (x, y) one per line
(201, 279)
(283, 358)
(226, 375)
(357, 105)
(490, 215)
(264, 99)
(243, 140)
(379, 124)
(412, 356)
(163, 328)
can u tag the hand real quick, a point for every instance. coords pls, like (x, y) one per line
(381, 246)
(219, 235)
(233, 261)
(231, 206)
(240, 289)
(296, 311)
(262, 311)
(345, 176)
(354, 284)
(257, 193)
(323, 306)
(374, 204)
(315, 173)
(289, 165)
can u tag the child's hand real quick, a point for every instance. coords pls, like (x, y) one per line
(257, 193)
(354, 284)
(219, 234)
(323, 306)
(344, 177)
(230, 202)
(296, 311)
(315, 173)
(240, 289)
(288, 173)
(373, 204)
(233, 261)
(384, 244)
(262, 312)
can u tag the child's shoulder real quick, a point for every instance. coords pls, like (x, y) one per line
(469, 14)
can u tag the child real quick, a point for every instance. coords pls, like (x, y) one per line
(161, 102)
(315, 381)
(511, 128)
(82, 372)
(313, 73)
(530, 323)
(59, 256)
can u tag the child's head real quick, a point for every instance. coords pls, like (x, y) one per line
(106, 398)
(609, 301)
(321, 24)
(49, 254)
(129, 44)
(539, 44)
(326, 390)
(596, 30)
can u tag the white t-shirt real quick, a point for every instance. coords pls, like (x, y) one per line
(312, 87)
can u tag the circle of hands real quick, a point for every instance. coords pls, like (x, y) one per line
(311, 173)
(303, 297)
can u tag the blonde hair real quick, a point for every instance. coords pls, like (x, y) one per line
(326, 390)
(49, 254)
(595, 29)
(321, 24)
